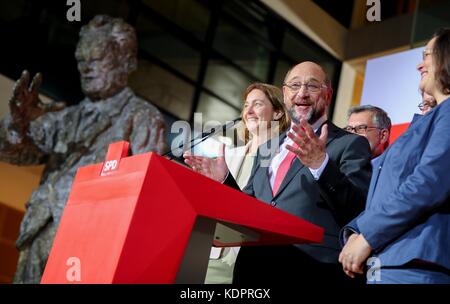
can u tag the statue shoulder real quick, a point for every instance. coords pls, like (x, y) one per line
(147, 108)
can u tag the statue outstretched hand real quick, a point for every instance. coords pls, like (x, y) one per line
(25, 105)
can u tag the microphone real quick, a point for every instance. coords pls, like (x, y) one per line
(204, 136)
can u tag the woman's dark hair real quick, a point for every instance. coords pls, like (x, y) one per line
(441, 51)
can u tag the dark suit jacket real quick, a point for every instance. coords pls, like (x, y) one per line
(337, 197)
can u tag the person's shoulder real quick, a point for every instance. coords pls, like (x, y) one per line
(444, 107)
(438, 114)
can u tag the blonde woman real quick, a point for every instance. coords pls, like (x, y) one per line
(263, 116)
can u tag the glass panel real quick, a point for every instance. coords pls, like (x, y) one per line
(431, 15)
(282, 67)
(242, 50)
(301, 49)
(214, 109)
(255, 17)
(156, 41)
(226, 82)
(330, 69)
(188, 14)
(163, 89)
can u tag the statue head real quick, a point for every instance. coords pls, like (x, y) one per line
(106, 55)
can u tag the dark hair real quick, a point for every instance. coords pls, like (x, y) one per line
(441, 51)
(379, 117)
(275, 97)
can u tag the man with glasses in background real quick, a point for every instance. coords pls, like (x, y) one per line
(374, 124)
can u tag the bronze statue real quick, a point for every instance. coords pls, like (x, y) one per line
(66, 138)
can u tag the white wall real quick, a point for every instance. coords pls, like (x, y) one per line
(392, 83)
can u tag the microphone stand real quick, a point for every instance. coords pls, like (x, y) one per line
(203, 137)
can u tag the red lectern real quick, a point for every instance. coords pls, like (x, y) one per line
(145, 219)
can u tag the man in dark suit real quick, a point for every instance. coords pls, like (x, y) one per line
(318, 172)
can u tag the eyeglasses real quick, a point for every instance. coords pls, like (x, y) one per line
(425, 105)
(312, 87)
(361, 129)
(425, 53)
